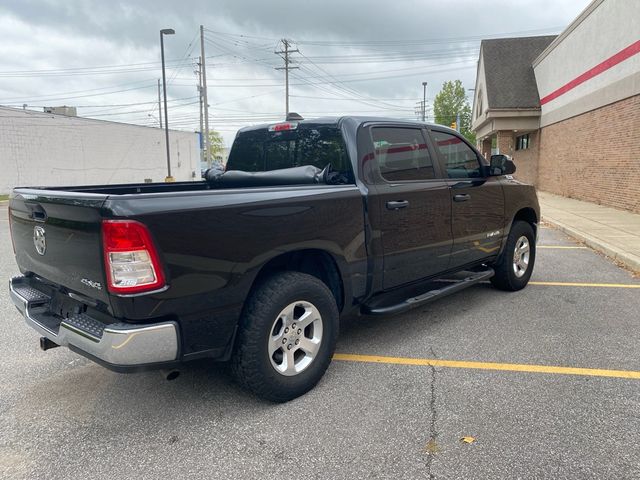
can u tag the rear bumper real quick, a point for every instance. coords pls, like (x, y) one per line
(116, 345)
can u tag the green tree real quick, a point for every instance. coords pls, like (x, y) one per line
(216, 145)
(452, 102)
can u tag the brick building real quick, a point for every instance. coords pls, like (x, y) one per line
(567, 108)
(39, 148)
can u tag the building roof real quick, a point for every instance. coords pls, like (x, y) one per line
(510, 81)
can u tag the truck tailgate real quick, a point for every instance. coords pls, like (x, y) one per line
(57, 236)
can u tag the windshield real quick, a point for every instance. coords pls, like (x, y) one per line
(317, 145)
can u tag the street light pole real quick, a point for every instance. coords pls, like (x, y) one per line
(166, 31)
(424, 101)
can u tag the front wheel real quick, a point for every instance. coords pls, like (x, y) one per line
(514, 268)
(286, 336)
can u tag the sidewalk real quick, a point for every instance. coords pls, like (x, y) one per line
(614, 232)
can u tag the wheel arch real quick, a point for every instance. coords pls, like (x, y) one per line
(316, 262)
(527, 214)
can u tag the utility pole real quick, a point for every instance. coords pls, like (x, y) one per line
(286, 69)
(424, 101)
(199, 72)
(203, 69)
(159, 104)
(163, 32)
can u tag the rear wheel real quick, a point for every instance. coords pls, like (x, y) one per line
(514, 268)
(286, 336)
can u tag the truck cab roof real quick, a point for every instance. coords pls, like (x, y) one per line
(338, 120)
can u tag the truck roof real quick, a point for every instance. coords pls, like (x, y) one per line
(336, 120)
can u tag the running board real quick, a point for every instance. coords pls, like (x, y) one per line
(429, 296)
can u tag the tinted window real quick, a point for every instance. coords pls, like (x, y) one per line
(402, 154)
(460, 160)
(262, 150)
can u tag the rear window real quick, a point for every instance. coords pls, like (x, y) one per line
(317, 145)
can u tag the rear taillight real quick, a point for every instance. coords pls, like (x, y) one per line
(13, 242)
(130, 257)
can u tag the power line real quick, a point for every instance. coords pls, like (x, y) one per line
(48, 95)
(90, 95)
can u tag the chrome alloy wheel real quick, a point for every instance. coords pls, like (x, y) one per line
(295, 338)
(521, 256)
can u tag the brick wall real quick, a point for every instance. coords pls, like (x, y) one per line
(527, 160)
(505, 142)
(594, 156)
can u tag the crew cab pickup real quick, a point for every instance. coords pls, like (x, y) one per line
(313, 220)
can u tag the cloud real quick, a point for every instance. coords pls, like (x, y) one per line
(355, 56)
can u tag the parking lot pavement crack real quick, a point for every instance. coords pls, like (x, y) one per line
(432, 445)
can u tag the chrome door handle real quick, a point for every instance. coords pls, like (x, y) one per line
(397, 205)
(461, 197)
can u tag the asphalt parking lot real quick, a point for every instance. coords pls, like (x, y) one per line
(544, 383)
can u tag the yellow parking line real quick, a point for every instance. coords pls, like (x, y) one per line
(582, 284)
(509, 367)
(561, 247)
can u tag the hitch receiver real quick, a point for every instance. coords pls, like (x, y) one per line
(46, 344)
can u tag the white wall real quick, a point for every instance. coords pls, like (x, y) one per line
(605, 28)
(480, 95)
(48, 150)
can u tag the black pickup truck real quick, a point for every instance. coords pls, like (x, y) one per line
(312, 221)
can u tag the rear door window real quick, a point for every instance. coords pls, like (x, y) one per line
(402, 154)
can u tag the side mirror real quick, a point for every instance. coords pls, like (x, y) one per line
(501, 165)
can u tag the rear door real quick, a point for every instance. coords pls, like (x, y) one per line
(477, 201)
(57, 236)
(413, 205)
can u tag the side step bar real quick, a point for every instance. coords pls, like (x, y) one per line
(429, 296)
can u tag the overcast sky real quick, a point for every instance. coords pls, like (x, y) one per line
(359, 57)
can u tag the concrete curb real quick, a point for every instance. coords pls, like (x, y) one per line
(629, 260)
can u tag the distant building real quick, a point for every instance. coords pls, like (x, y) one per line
(567, 108)
(39, 148)
(506, 106)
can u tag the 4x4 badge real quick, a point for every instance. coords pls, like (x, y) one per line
(39, 239)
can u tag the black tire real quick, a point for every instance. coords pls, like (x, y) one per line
(505, 277)
(251, 364)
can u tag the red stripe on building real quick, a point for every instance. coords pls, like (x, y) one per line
(621, 56)
(409, 148)
(451, 141)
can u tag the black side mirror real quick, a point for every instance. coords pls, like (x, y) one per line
(501, 165)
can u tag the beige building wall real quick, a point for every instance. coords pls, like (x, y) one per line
(595, 60)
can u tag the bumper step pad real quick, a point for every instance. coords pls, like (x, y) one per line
(85, 324)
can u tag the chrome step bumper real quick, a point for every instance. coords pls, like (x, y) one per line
(117, 344)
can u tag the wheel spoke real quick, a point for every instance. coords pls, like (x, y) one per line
(288, 362)
(307, 317)
(287, 314)
(275, 342)
(310, 346)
